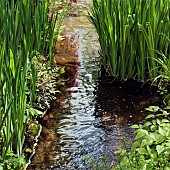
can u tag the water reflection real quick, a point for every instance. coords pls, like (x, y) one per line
(123, 103)
(89, 118)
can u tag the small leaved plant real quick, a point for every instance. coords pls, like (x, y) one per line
(151, 148)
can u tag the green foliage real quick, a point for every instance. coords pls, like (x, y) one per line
(47, 81)
(26, 30)
(129, 32)
(13, 162)
(151, 148)
(164, 72)
(164, 76)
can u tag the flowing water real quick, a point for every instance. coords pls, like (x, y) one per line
(91, 115)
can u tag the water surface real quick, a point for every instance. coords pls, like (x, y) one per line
(90, 116)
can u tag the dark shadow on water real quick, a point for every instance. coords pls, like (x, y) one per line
(91, 114)
(87, 122)
(124, 102)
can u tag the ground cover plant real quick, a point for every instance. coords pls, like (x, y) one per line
(151, 149)
(130, 32)
(26, 31)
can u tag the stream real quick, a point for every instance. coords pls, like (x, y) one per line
(86, 122)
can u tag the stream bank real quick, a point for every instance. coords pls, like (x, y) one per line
(90, 116)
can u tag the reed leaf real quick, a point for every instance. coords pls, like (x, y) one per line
(129, 32)
(25, 29)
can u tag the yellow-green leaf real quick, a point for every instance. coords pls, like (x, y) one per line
(160, 149)
(12, 63)
(141, 133)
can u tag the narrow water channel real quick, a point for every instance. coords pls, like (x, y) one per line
(89, 118)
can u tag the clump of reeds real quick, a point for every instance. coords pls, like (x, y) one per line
(130, 32)
(25, 30)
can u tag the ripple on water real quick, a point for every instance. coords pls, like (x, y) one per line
(90, 118)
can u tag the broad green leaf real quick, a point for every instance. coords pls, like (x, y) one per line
(162, 131)
(154, 122)
(142, 150)
(1, 167)
(153, 128)
(149, 139)
(147, 124)
(165, 121)
(158, 138)
(153, 108)
(158, 121)
(160, 149)
(35, 112)
(148, 149)
(135, 145)
(168, 133)
(150, 116)
(144, 142)
(135, 126)
(141, 133)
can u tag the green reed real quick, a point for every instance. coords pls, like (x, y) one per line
(129, 32)
(25, 29)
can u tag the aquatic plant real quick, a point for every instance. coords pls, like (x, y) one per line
(25, 30)
(129, 32)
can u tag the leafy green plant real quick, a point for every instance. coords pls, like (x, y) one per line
(151, 149)
(13, 162)
(47, 81)
(129, 32)
(26, 29)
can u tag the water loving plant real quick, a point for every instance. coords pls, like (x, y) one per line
(163, 75)
(25, 28)
(129, 32)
